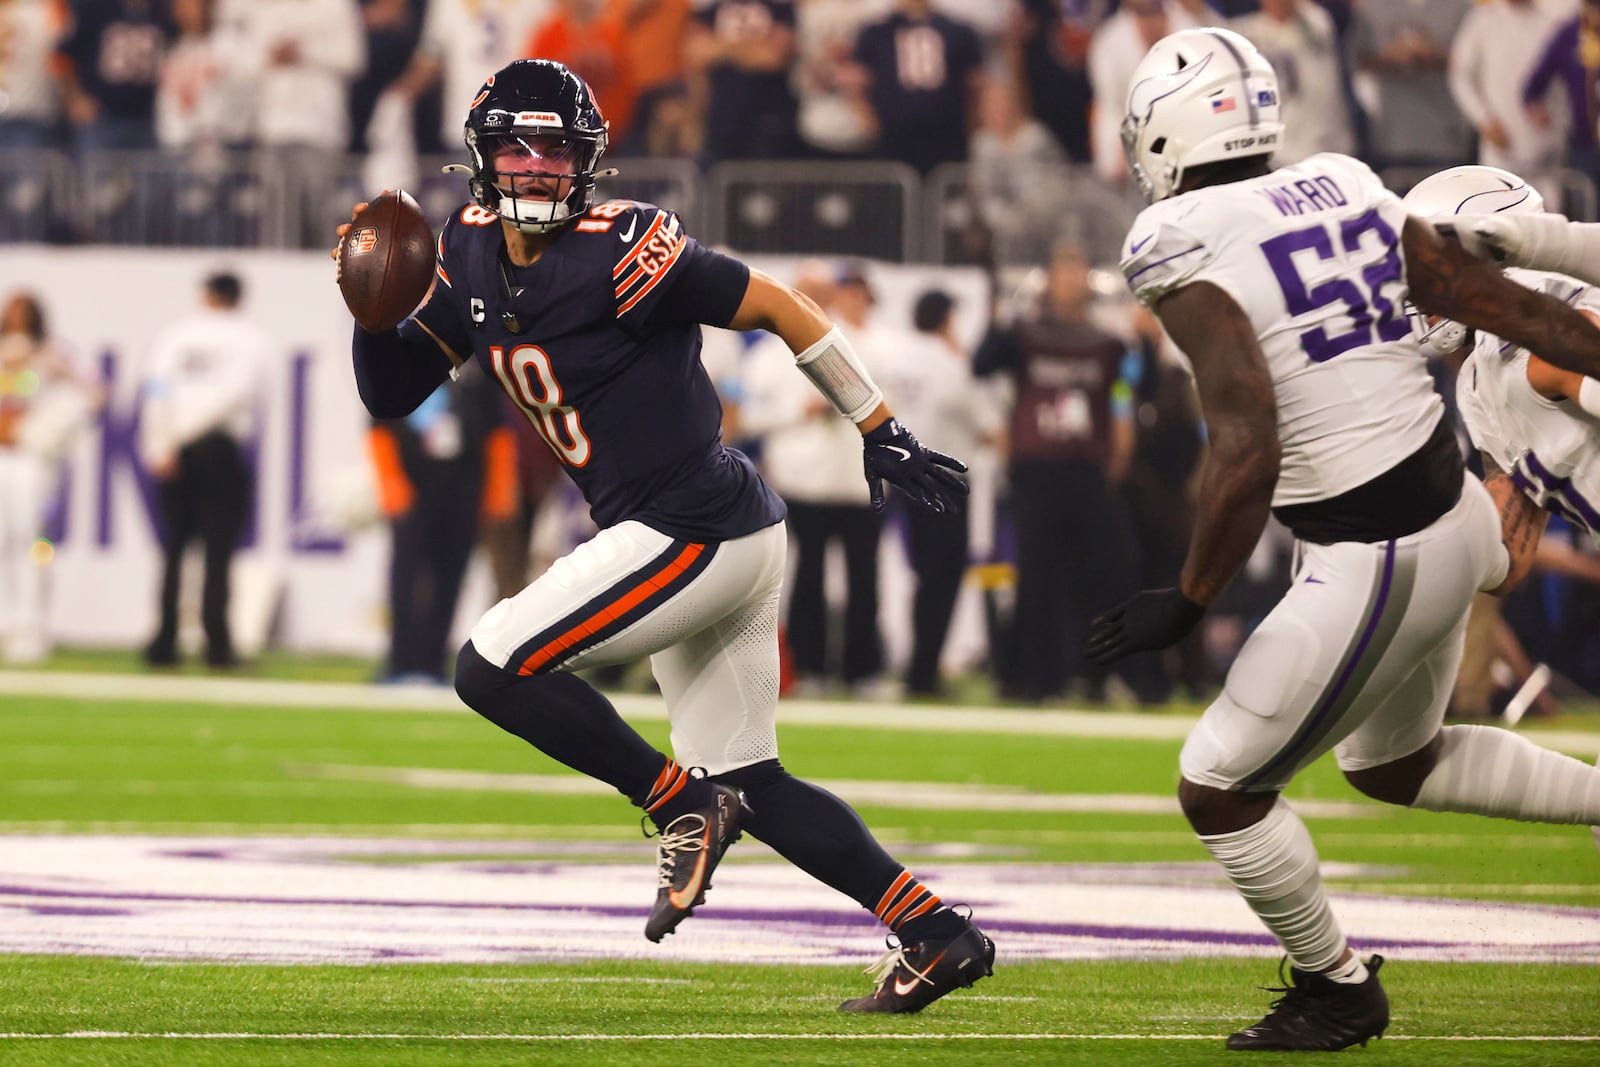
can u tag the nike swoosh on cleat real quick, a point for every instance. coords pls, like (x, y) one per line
(627, 235)
(903, 989)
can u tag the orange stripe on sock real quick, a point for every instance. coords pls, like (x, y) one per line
(613, 611)
(668, 769)
(892, 892)
(923, 909)
(672, 791)
(895, 913)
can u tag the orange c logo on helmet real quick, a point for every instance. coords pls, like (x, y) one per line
(482, 94)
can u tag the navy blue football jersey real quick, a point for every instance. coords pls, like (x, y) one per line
(598, 344)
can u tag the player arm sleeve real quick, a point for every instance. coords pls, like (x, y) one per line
(398, 369)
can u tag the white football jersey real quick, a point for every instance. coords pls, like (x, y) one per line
(1312, 255)
(1550, 448)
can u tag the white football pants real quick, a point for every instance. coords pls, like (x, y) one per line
(1359, 656)
(705, 613)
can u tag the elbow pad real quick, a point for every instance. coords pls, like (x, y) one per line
(836, 371)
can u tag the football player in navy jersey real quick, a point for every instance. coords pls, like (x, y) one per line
(589, 316)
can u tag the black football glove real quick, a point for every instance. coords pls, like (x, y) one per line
(1152, 619)
(893, 455)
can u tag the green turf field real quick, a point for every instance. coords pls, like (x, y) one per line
(110, 772)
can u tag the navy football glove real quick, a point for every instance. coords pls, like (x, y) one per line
(893, 455)
(1149, 620)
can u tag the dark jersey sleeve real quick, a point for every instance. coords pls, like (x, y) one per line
(664, 277)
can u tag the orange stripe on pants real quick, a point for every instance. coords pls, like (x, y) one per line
(613, 611)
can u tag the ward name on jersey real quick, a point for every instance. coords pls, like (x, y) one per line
(598, 343)
(1311, 254)
(1551, 448)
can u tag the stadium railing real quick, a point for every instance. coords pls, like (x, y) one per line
(831, 208)
(877, 210)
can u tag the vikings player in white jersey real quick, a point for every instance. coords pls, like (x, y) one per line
(1536, 426)
(1287, 289)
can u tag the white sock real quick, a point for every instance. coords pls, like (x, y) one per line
(1486, 770)
(1273, 864)
(1352, 973)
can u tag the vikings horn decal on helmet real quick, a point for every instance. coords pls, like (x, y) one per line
(1468, 190)
(535, 136)
(1198, 96)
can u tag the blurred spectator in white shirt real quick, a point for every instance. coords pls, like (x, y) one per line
(1114, 51)
(30, 103)
(190, 113)
(1494, 52)
(811, 456)
(303, 56)
(462, 43)
(834, 117)
(1299, 40)
(202, 386)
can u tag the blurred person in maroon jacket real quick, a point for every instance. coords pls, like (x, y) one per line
(1070, 441)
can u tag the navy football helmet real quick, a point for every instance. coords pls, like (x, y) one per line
(535, 136)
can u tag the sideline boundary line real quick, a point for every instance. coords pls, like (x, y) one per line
(1128, 725)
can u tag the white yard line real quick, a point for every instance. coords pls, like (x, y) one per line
(922, 796)
(921, 718)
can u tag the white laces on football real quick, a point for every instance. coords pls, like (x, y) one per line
(674, 841)
(882, 970)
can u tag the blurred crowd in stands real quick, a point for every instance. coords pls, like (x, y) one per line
(1089, 414)
(1015, 86)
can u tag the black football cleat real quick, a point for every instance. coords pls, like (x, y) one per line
(910, 977)
(1317, 1014)
(691, 847)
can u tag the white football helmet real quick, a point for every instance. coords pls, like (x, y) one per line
(1198, 96)
(1468, 190)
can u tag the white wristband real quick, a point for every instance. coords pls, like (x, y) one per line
(836, 371)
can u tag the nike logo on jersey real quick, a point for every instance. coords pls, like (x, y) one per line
(627, 235)
(1133, 249)
(1312, 579)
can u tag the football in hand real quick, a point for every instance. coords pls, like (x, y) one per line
(386, 261)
